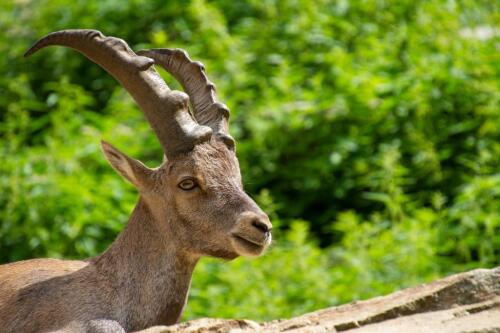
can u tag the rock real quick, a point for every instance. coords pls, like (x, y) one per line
(462, 303)
(208, 325)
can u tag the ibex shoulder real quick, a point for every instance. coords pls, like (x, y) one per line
(19, 274)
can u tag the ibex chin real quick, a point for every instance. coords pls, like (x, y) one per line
(193, 205)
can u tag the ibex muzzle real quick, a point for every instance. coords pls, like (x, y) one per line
(193, 205)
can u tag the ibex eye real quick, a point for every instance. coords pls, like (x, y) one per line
(187, 184)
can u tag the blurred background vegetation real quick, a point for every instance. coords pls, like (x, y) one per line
(369, 130)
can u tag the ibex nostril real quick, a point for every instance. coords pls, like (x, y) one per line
(260, 225)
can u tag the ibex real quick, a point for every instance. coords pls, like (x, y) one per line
(192, 205)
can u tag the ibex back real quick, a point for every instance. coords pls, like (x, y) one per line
(193, 205)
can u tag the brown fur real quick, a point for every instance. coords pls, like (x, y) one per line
(143, 278)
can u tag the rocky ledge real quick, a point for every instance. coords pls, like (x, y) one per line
(463, 303)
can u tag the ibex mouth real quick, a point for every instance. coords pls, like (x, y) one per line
(245, 246)
(251, 241)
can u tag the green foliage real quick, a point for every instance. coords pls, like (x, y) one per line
(275, 285)
(367, 129)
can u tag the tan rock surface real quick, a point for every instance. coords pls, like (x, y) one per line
(462, 303)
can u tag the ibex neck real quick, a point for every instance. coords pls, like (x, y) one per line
(150, 275)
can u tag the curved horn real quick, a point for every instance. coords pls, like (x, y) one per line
(166, 110)
(191, 75)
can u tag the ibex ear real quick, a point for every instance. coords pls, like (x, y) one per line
(133, 170)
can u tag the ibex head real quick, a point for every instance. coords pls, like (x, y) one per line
(196, 194)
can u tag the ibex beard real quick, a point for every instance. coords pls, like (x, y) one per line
(193, 205)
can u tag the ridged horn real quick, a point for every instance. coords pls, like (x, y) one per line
(202, 93)
(167, 111)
